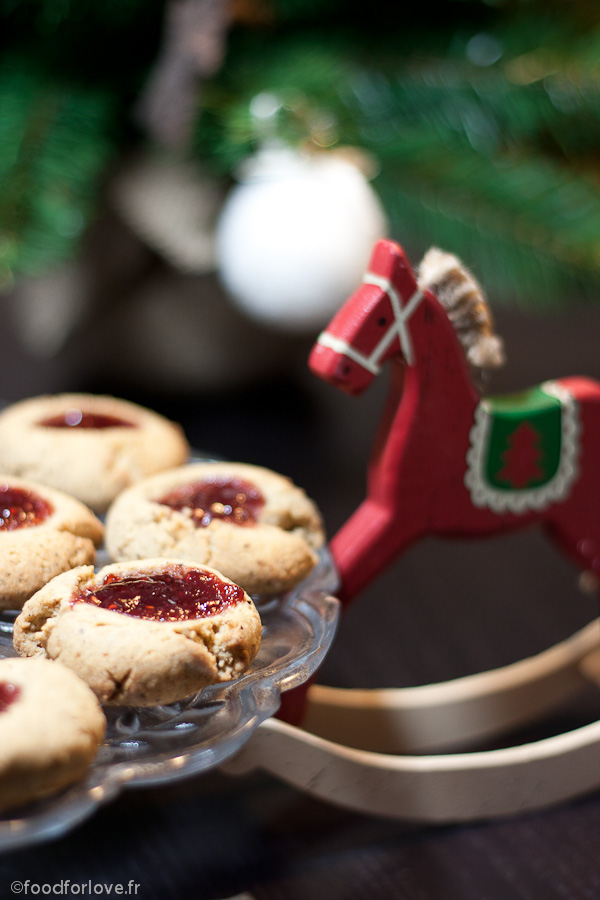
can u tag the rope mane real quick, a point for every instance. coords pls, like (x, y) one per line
(465, 303)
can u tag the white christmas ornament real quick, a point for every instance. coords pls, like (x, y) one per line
(295, 236)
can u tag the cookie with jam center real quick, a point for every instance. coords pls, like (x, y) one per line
(88, 445)
(142, 633)
(43, 532)
(249, 522)
(51, 726)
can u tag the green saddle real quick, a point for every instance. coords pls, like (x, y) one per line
(523, 448)
(525, 439)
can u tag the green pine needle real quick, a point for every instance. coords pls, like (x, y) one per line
(55, 144)
(487, 148)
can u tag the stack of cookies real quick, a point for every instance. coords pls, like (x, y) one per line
(192, 547)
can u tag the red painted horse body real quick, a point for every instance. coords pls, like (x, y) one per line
(416, 478)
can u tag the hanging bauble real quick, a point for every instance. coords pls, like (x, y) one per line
(295, 235)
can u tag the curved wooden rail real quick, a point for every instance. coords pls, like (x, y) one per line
(344, 763)
(439, 717)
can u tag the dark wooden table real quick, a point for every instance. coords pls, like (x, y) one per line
(443, 610)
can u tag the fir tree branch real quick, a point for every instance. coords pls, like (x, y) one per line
(55, 144)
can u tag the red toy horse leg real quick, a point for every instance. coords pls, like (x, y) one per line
(362, 548)
(365, 545)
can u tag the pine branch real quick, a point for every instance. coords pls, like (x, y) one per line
(494, 161)
(486, 165)
(55, 143)
(519, 256)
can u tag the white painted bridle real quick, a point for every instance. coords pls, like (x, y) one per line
(398, 326)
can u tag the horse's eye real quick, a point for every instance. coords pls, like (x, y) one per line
(382, 321)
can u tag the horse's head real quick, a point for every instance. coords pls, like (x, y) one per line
(371, 326)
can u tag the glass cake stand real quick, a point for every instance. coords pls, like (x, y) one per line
(156, 745)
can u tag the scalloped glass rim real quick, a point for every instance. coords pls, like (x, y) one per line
(156, 745)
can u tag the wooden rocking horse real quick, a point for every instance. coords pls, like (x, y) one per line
(448, 462)
(445, 461)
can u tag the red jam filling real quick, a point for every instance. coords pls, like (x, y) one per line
(8, 694)
(21, 508)
(165, 597)
(229, 499)
(78, 418)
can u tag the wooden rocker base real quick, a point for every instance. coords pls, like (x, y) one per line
(355, 748)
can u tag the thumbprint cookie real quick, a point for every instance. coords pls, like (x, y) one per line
(51, 726)
(88, 445)
(142, 633)
(248, 522)
(43, 532)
